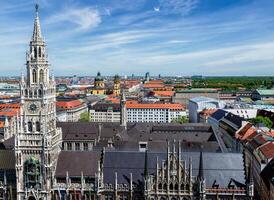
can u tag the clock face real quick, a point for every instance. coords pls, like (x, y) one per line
(32, 107)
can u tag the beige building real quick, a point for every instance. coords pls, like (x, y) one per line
(105, 112)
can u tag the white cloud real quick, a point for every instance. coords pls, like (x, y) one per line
(84, 18)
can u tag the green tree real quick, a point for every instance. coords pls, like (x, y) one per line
(84, 117)
(262, 120)
(181, 120)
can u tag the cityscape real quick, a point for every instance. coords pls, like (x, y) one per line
(136, 132)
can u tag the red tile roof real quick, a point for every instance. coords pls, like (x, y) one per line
(113, 99)
(9, 110)
(164, 93)
(149, 85)
(69, 104)
(2, 124)
(10, 105)
(267, 150)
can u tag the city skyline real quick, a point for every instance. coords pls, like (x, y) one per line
(168, 37)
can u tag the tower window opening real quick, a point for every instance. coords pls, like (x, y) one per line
(35, 52)
(29, 126)
(40, 92)
(34, 76)
(41, 76)
(38, 127)
(40, 52)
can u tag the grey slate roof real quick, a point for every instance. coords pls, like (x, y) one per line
(221, 167)
(192, 136)
(76, 162)
(219, 114)
(7, 159)
(103, 107)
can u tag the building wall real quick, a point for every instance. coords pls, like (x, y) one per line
(73, 115)
(183, 97)
(195, 107)
(245, 113)
(101, 116)
(153, 115)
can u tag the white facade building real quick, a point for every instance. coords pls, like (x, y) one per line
(196, 105)
(154, 112)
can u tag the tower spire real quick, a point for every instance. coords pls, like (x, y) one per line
(37, 35)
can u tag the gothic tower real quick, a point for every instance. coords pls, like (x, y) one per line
(37, 140)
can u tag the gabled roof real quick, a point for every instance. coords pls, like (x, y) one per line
(69, 104)
(268, 174)
(164, 93)
(219, 114)
(265, 91)
(77, 162)
(218, 167)
(267, 150)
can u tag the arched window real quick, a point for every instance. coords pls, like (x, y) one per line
(165, 186)
(38, 128)
(182, 186)
(40, 92)
(41, 76)
(171, 186)
(176, 186)
(29, 126)
(26, 92)
(34, 76)
(160, 186)
(35, 52)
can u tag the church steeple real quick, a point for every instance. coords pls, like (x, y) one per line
(37, 59)
(37, 35)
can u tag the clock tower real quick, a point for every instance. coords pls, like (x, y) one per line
(38, 140)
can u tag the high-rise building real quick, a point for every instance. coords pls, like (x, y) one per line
(37, 139)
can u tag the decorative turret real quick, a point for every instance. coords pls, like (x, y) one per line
(201, 185)
(123, 118)
(249, 182)
(37, 35)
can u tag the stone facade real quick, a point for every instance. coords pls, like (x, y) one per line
(37, 140)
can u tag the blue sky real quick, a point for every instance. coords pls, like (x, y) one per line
(170, 37)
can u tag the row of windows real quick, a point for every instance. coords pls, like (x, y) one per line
(77, 146)
(35, 76)
(37, 127)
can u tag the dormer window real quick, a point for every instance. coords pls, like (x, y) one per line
(142, 146)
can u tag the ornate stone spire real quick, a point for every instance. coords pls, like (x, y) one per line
(37, 35)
